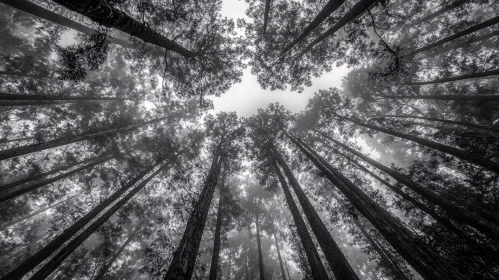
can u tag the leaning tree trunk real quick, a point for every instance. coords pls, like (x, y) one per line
(14, 192)
(453, 97)
(330, 7)
(41, 175)
(475, 28)
(30, 97)
(28, 7)
(385, 255)
(428, 264)
(53, 263)
(462, 44)
(20, 151)
(68, 233)
(108, 265)
(5, 141)
(442, 11)
(442, 220)
(318, 271)
(483, 220)
(279, 257)
(105, 14)
(458, 153)
(266, 16)
(337, 261)
(216, 244)
(479, 75)
(259, 244)
(461, 123)
(184, 259)
(357, 10)
(20, 103)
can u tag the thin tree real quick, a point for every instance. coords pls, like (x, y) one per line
(266, 16)
(279, 256)
(462, 44)
(478, 75)
(31, 97)
(261, 266)
(461, 123)
(443, 10)
(450, 97)
(428, 264)
(216, 243)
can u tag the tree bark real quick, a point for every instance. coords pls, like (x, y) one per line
(462, 123)
(283, 274)
(20, 151)
(104, 13)
(41, 175)
(68, 233)
(31, 97)
(330, 7)
(216, 243)
(428, 264)
(53, 263)
(454, 97)
(108, 265)
(479, 75)
(357, 10)
(184, 259)
(458, 153)
(460, 210)
(337, 261)
(11, 193)
(475, 28)
(318, 271)
(43, 13)
(259, 244)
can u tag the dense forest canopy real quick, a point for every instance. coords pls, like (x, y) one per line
(114, 164)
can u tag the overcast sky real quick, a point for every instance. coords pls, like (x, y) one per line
(246, 97)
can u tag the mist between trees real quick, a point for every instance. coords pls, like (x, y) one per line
(112, 167)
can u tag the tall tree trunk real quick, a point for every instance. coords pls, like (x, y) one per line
(454, 97)
(5, 141)
(11, 193)
(439, 12)
(462, 123)
(28, 7)
(458, 153)
(184, 259)
(53, 263)
(384, 254)
(230, 263)
(287, 269)
(266, 16)
(247, 272)
(318, 271)
(41, 175)
(337, 261)
(462, 44)
(68, 233)
(259, 244)
(29, 97)
(104, 13)
(279, 257)
(459, 209)
(442, 220)
(357, 10)
(428, 264)
(216, 243)
(108, 265)
(18, 103)
(330, 7)
(20, 74)
(479, 75)
(475, 28)
(24, 150)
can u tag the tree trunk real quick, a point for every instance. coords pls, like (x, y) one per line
(259, 244)
(216, 243)
(458, 153)
(385, 255)
(18, 74)
(330, 7)
(287, 269)
(357, 10)
(108, 265)
(266, 16)
(247, 272)
(230, 263)
(479, 75)
(18, 103)
(442, 11)
(467, 124)
(41, 175)
(318, 271)
(104, 13)
(460, 210)
(9, 193)
(475, 28)
(337, 261)
(43, 13)
(474, 97)
(5, 141)
(182, 265)
(279, 257)
(428, 264)
(15, 152)
(442, 220)
(68, 233)
(53, 263)
(462, 44)
(30, 97)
